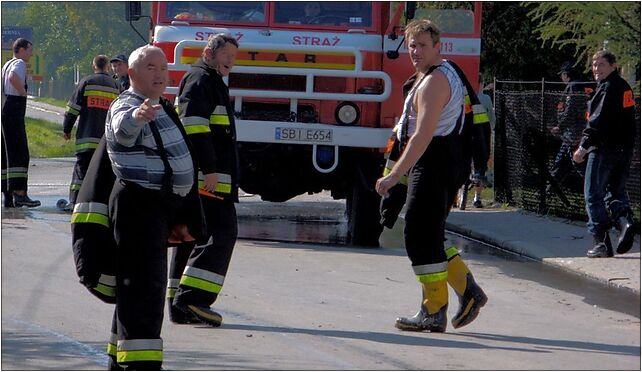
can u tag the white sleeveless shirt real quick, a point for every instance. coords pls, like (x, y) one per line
(450, 114)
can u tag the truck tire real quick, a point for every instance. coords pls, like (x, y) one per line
(362, 211)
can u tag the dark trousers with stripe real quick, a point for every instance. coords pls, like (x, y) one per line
(15, 150)
(78, 175)
(432, 184)
(142, 220)
(214, 257)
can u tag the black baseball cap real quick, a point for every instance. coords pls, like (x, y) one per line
(118, 57)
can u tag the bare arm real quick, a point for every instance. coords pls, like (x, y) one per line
(431, 99)
(17, 83)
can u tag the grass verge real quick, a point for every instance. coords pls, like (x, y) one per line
(46, 141)
(51, 101)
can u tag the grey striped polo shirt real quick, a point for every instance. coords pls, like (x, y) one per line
(133, 151)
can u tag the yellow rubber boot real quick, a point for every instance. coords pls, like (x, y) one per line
(433, 314)
(471, 297)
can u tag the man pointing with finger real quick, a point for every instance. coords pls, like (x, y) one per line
(153, 200)
(197, 273)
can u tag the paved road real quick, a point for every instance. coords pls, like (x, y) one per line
(292, 306)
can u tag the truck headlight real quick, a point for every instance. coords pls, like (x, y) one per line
(347, 113)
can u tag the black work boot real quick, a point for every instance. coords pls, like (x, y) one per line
(627, 233)
(203, 313)
(178, 316)
(422, 321)
(8, 199)
(602, 248)
(24, 200)
(470, 303)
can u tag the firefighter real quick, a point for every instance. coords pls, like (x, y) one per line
(90, 101)
(436, 163)
(205, 110)
(154, 199)
(15, 154)
(608, 141)
(119, 67)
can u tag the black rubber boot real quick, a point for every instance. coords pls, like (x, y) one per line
(422, 321)
(8, 199)
(627, 233)
(470, 303)
(602, 248)
(203, 314)
(24, 200)
(178, 316)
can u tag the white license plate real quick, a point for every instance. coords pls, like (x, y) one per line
(303, 134)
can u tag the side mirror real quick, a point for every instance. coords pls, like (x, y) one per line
(411, 7)
(132, 11)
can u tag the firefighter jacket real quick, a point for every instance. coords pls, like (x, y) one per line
(474, 141)
(204, 106)
(611, 115)
(93, 241)
(90, 101)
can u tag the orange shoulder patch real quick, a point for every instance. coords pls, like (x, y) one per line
(628, 99)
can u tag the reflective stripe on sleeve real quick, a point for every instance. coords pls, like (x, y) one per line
(196, 124)
(106, 285)
(91, 212)
(480, 115)
(219, 116)
(451, 252)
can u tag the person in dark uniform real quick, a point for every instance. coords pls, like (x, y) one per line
(608, 140)
(154, 198)
(119, 67)
(205, 110)
(90, 101)
(15, 154)
(433, 159)
(570, 122)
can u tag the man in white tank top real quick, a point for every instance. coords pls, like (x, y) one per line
(433, 160)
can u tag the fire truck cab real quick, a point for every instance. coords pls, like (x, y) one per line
(316, 89)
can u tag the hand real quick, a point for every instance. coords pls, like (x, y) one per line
(386, 183)
(66, 136)
(179, 234)
(555, 130)
(146, 111)
(211, 180)
(579, 155)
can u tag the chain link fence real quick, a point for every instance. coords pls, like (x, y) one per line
(538, 128)
(54, 88)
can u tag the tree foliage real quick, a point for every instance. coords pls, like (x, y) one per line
(73, 33)
(590, 26)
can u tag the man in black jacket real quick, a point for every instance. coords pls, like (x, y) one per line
(119, 66)
(90, 101)
(197, 273)
(608, 140)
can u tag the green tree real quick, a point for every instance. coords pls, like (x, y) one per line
(590, 26)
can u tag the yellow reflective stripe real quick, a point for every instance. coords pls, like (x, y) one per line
(106, 290)
(433, 277)
(194, 129)
(171, 293)
(139, 356)
(451, 252)
(111, 349)
(90, 217)
(481, 118)
(200, 284)
(224, 188)
(72, 111)
(219, 120)
(15, 175)
(87, 145)
(100, 94)
(75, 186)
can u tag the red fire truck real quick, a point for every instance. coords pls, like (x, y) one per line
(316, 87)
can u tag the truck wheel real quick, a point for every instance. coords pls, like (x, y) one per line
(362, 210)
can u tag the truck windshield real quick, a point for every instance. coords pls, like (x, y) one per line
(324, 13)
(224, 11)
